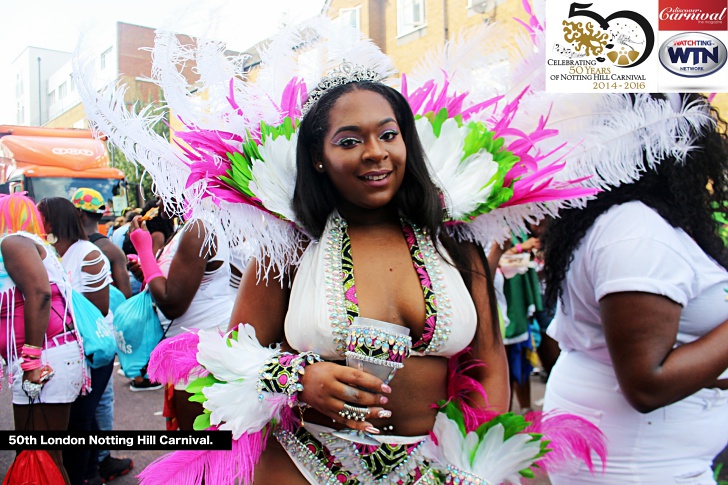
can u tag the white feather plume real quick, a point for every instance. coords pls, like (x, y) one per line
(497, 225)
(168, 57)
(465, 184)
(476, 61)
(491, 458)
(528, 65)
(234, 404)
(274, 177)
(132, 133)
(608, 133)
(310, 49)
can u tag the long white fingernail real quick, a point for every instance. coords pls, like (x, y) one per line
(385, 413)
(371, 429)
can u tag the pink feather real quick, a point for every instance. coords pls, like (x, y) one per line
(466, 390)
(213, 466)
(533, 24)
(174, 358)
(572, 439)
(289, 421)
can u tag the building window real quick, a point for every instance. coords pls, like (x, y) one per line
(105, 58)
(52, 98)
(62, 90)
(351, 16)
(410, 16)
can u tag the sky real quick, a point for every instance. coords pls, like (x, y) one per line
(54, 24)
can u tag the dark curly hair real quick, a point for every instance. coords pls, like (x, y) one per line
(685, 194)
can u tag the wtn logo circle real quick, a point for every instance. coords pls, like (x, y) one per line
(692, 54)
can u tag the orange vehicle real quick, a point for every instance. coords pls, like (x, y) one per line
(55, 162)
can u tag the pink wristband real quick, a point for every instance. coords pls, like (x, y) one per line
(142, 241)
(519, 248)
(31, 364)
(30, 351)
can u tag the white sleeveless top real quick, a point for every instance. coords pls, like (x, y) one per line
(56, 274)
(308, 324)
(213, 303)
(73, 262)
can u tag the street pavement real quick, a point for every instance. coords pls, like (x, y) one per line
(143, 411)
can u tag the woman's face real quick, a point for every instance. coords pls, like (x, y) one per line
(364, 154)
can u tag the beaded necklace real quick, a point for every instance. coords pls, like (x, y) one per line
(341, 298)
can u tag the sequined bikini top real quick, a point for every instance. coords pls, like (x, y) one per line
(323, 299)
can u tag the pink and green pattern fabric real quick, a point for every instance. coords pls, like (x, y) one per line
(352, 303)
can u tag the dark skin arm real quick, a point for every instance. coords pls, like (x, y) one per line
(173, 295)
(117, 258)
(526, 246)
(157, 241)
(488, 344)
(494, 255)
(24, 264)
(326, 385)
(99, 297)
(641, 330)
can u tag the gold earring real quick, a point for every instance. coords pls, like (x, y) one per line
(51, 238)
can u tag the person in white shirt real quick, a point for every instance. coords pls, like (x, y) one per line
(89, 273)
(642, 319)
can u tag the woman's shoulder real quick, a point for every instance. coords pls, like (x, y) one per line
(20, 241)
(632, 221)
(84, 248)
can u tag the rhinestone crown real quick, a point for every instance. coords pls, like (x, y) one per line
(346, 73)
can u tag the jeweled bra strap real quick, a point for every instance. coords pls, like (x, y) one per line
(352, 303)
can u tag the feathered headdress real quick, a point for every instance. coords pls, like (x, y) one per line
(502, 151)
(234, 163)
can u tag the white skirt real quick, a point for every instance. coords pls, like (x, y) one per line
(675, 444)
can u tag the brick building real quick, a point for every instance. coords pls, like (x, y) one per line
(119, 55)
(407, 29)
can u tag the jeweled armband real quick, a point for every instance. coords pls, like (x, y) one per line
(282, 373)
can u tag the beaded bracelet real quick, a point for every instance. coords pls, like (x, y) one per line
(281, 374)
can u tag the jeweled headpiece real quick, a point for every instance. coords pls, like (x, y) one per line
(346, 73)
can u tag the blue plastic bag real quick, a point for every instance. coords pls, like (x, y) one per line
(116, 298)
(98, 335)
(137, 331)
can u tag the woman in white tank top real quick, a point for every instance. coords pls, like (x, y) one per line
(191, 289)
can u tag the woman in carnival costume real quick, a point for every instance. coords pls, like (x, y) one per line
(351, 180)
(640, 278)
(37, 336)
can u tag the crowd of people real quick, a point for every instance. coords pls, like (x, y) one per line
(633, 278)
(619, 300)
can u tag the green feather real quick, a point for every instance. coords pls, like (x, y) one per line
(202, 422)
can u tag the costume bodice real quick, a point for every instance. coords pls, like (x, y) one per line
(323, 297)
